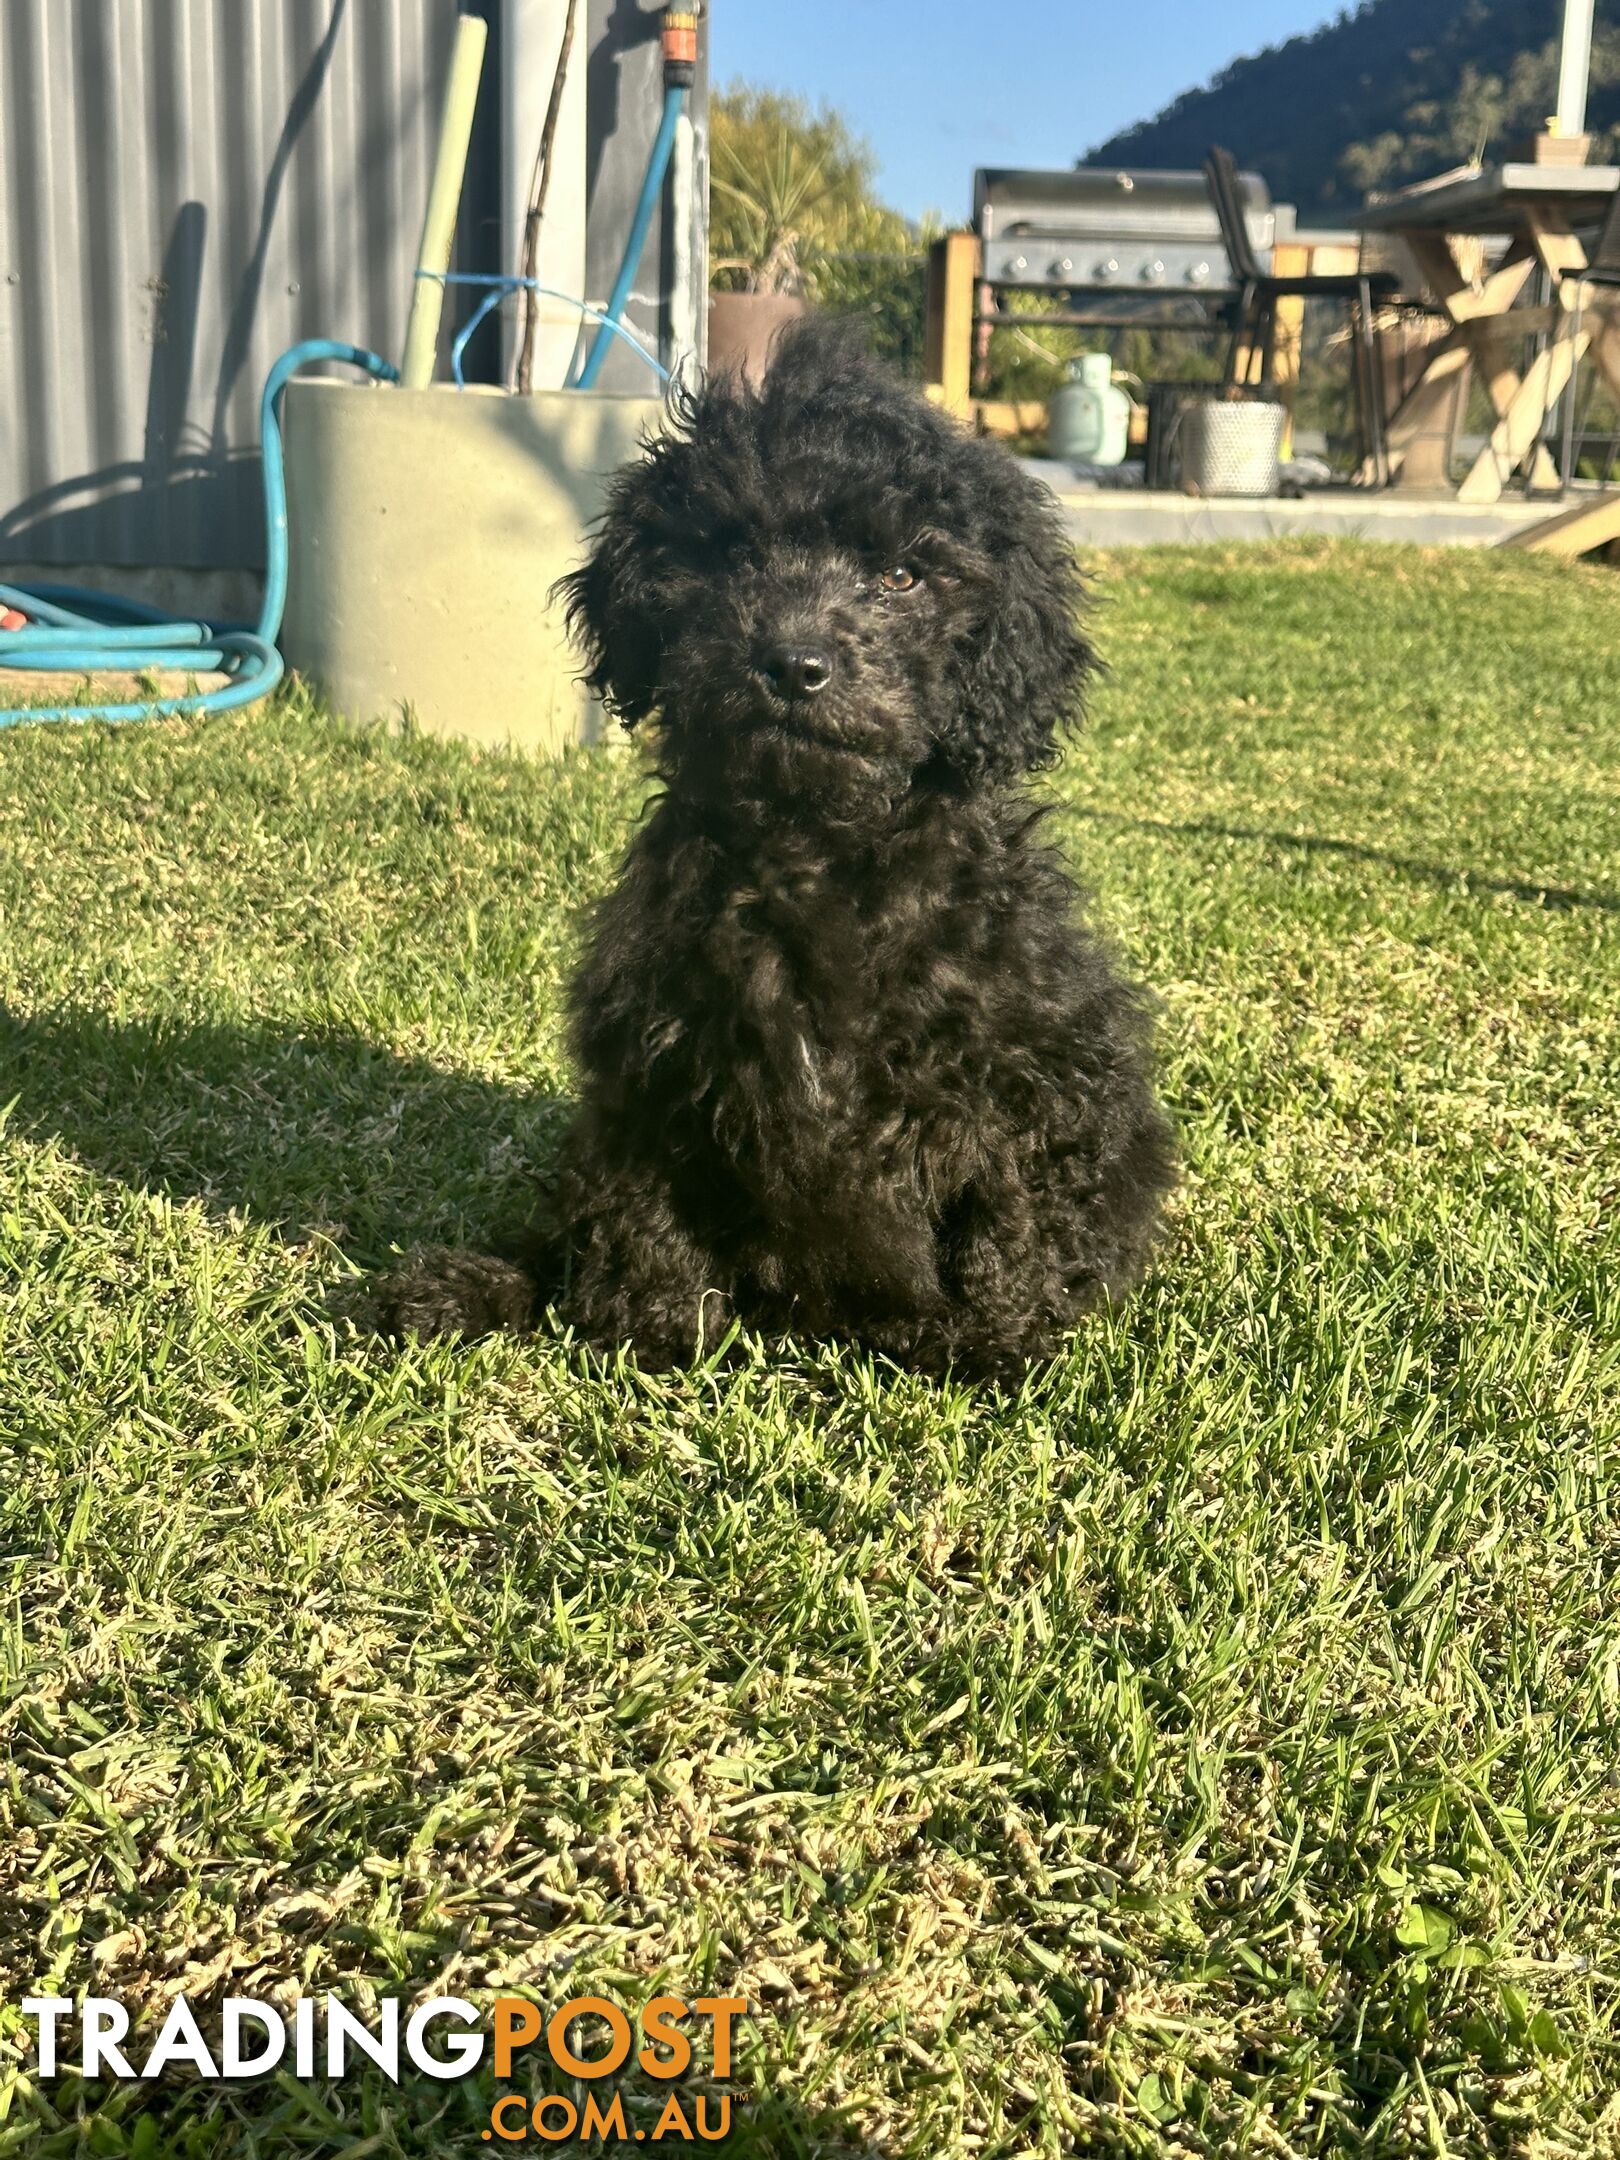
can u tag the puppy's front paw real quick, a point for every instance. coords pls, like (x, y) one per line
(440, 1291)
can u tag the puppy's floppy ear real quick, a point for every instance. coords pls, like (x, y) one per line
(1023, 664)
(609, 606)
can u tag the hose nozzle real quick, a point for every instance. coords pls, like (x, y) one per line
(680, 47)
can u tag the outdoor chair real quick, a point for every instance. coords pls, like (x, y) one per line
(1254, 328)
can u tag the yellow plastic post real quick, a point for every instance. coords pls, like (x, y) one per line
(444, 200)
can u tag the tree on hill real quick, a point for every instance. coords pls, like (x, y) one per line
(1387, 93)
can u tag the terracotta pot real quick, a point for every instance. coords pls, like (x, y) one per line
(743, 327)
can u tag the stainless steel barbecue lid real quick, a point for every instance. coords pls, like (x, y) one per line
(1104, 230)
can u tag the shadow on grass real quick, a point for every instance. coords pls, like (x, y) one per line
(312, 1133)
(1555, 897)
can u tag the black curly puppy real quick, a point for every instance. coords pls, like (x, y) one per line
(851, 1067)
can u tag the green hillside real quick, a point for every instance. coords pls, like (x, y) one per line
(1392, 91)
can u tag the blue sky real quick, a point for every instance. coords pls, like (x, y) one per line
(940, 86)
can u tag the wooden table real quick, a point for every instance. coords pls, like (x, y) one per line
(1536, 208)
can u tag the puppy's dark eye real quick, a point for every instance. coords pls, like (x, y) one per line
(900, 579)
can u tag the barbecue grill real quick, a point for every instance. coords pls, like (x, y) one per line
(1115, 247)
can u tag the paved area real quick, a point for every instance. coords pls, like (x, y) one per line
(1133, 517)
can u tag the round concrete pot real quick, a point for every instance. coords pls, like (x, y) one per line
(426, 529)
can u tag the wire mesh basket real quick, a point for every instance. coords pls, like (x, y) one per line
(1232, 447)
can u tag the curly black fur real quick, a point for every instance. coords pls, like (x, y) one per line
(851, 1066)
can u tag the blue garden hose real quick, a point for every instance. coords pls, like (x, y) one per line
(71, 630)
(652, 186)
(500, 288)
(74, 631)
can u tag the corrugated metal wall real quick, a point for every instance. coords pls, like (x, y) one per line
(186, 188)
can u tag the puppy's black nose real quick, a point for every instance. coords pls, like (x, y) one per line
(797, 668)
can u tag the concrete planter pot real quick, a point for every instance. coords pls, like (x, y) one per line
(425, 531)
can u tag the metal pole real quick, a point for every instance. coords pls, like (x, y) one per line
(683, 337)
(444, 200)
(1574, 67)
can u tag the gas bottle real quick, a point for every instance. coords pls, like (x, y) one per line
(1088, 419)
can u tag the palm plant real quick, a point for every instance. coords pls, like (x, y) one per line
(770, 208)
(786, 185)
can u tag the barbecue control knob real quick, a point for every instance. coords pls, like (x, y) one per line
(1198, 274)
(1064, 266)
(1153, 271)
(1018, 265)
(1109, 268)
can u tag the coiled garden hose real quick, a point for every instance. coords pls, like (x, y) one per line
(69, 630)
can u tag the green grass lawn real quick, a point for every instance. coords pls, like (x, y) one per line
(1213, 1750)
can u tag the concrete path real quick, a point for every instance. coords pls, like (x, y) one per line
(1131, 517)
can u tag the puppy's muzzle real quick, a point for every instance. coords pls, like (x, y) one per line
(797, 668)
